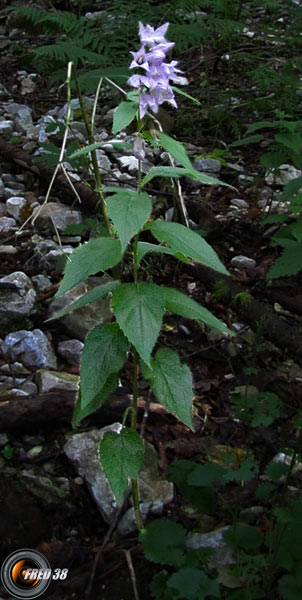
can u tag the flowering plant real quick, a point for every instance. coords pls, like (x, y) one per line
(154, 83)
(138, 307)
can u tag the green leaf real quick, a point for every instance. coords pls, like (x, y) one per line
(246, 470)
(139, 309)
(275, 470)
(291, 188)
(97, 255)
(181, 172)
(164, 542)
(94, 295)
(290, 587)
(250, 139)
(243, 536)
(123, 115)
(183, 305)
(182, 93)
(202, 497)
(266, 409)
(297, 230)
(187, 242)
(273, 160)
(86, 149)
(80, 413)
(128, 213)
(121, 457)
(293, 514)
(262, 125)
(192, 584)
(164, 172)
(289, 263)
(176, 149)
(293, 141)
(171, 382)
(144, 247)
(104, 353)
(205, 475)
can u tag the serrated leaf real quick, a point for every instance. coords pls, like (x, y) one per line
(291, 188)
(275, 470)
(250, 139)
(181, 172)
(164, 172)
(128, 213)
(164, 542)
(99, 292)
(86, 149)
(289, 263)
(97, 255)
(273, 160)
(192, 584)
(262, 125)
(121, 457)
(171, 382)
(176, 149)
(139, 309)
(104, 353)
(297, 230)
(187, 242)
(183, 305)
(145, 247)
(293, 141)
(123, 116)
(246, 470)
(80, 413)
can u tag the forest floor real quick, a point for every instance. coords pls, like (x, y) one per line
(250, 363)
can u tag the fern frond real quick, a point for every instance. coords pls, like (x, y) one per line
(68, 51)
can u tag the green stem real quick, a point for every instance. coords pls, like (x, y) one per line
(95, 166)
(134, 482)
(135, 497)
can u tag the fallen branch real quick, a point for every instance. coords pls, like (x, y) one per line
(12, 153)
(258, 315)
(46, 410)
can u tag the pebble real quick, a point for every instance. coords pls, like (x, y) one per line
(243, 262)
(15, 205)
(239, 203)
(7, 224)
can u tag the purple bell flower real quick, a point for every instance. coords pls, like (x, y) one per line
(154, 82)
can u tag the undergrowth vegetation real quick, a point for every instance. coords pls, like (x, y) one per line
(255, 47)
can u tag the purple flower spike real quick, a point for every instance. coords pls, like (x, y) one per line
(154, 82)
(149, 36)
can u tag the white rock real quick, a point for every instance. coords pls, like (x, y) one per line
(283, 175)
(15, 205)
(7, 224)
(6, 127)
(214, 539)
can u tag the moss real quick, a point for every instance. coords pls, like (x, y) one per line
(242, 298)
(221, 290)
